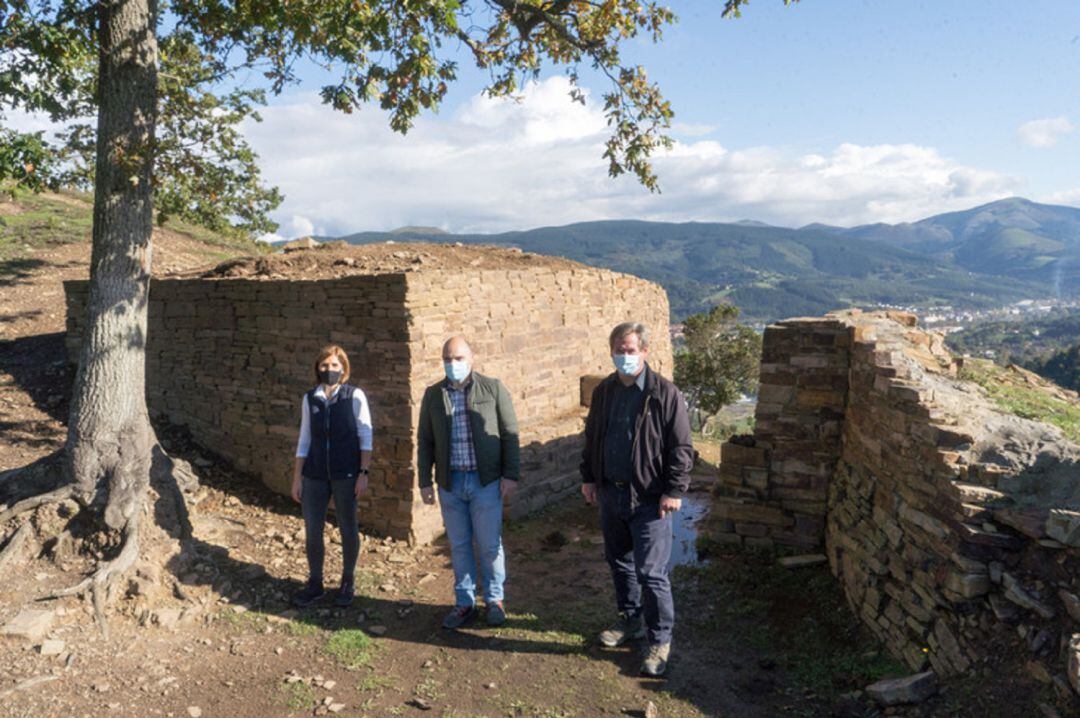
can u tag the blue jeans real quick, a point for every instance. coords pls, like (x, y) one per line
(472, 512)
(637, 545)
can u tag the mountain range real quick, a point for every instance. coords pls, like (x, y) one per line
(983, 257)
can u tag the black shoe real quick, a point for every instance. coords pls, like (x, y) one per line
(345, 594)
(459, 617)
(308, 595)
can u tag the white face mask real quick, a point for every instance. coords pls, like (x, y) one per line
(626, 364)
(456, 371)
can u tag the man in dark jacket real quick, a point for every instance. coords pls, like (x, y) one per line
(636, 464)
(468, 432)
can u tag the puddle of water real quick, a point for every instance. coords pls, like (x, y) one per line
(695, 506)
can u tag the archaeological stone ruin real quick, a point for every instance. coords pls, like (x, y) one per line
(229, 354)
(953, 526)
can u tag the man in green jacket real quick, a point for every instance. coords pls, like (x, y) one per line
(469, 434)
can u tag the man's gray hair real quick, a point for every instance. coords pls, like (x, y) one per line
(627, 328)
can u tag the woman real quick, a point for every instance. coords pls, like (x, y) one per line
(332, 459)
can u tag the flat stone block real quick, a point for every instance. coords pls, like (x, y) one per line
(900, 691)
(31, 625)
(809, 559)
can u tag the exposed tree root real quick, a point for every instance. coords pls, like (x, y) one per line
(50, 497)
(14, 544)
(172, 483)
(100, 584)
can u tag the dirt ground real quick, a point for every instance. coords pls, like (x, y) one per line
(340, 259)
(750, 642)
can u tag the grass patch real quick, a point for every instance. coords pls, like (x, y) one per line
(1023, 401)
(43, 221)
(67, 217)
(301, 629)
(375, 684)
(243, 621)
(351, 647)
(570, 631)
(297, 696)
(428, 689)
(797, 618)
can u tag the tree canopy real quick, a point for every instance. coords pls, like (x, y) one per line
(718, 361)
(397, 55)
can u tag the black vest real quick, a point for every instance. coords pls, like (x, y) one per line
(335, 448)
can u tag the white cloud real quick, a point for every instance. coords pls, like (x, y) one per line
(499, 165)
(1044, 133)
(1069, 197)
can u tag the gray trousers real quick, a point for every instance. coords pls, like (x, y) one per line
(315, 501)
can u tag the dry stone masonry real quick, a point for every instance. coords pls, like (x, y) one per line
(953, 527)
(229, 354)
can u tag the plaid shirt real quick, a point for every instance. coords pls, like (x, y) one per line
(462, 451)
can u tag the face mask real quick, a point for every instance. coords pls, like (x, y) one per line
(626, 363)
(330, 377)
(456, 371)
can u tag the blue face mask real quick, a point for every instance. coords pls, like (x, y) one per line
(627, 364)
(456, 371)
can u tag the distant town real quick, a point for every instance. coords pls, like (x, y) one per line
(947, 319)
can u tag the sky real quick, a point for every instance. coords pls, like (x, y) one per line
(836, 111)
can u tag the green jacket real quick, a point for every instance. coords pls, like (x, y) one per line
(494, 430)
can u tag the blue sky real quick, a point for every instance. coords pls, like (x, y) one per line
(835, 111)
(839, 112)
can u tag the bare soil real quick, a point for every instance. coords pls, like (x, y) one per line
(339, 259)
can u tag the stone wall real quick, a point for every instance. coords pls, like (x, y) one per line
(949, 523)
(230, 358)
(539, 332)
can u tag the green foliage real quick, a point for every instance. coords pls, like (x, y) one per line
(351, 647)
(1048, 346)
(26, 160)
(297, 696)
(1061, 367)
(1023, 400)
(204, 170)
(718, 361)
(384, 51)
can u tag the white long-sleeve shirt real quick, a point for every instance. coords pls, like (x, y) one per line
(360, 410)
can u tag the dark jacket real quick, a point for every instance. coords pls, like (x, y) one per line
(494, 432)
(662, 451)
(334, 452)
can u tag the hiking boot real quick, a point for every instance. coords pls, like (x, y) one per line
(459, 617)
(625, 629)
(309, 594)
(496, 614)
(656, 659)
(344, 597)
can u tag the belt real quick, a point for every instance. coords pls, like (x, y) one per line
(620, 484)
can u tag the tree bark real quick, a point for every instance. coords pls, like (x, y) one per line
(109, 443)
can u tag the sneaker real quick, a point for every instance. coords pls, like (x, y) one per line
(308, 595)
(623, 630)
(459, 617)
(496, 614)
(344, 597)
(656, 659)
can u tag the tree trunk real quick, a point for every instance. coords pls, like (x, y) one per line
(109, 443)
